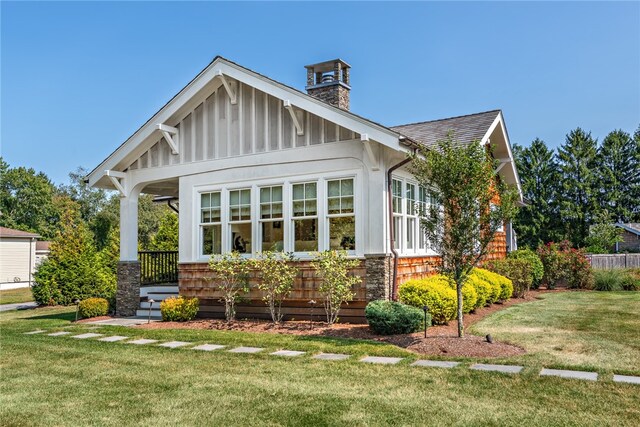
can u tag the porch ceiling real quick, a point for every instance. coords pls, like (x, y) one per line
(162, 188)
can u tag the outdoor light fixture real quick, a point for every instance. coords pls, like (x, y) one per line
(150, 305)
(426, 310)
(489, 339)
(313, 305)
(77, 303)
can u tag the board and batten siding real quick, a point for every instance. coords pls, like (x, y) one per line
(257, 123)
(14, 259)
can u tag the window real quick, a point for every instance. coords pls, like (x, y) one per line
(341, 214)
(423, 206)
(210, 223)
(271, 219)
(305, 217)
(396, 190)
(411, 215)
(397, 196)
(240, 220)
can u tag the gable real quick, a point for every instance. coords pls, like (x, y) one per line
(258, 122)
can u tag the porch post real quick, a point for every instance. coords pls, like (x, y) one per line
(128, 292)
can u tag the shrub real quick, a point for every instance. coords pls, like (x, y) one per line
(469, 294)
(608, 280)
(501, 287)
(483, 290)
(579, 271)
(390, 317)
(277, 273)
(337, 284)
(179, 309)
(517, 270)
(93, 307)
(631, 281)
(435, 294)
(536, 266)
(232, 278)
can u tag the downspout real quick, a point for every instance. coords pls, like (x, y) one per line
(394, 280)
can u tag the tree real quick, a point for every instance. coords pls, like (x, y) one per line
(470, 204)
(232, 278)
(603, 235)
(278, 272)
(537, 222)
(166, 238)
(578, 195)
(618, 172)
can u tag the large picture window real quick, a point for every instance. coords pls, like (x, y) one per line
(341, 214)
(412, 218)
(271, 219)
(240, 220)
(305, 217)
(210, 223)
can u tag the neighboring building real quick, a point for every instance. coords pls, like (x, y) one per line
(630, 237)
(17, 258)
(257, 165)
(42, 251)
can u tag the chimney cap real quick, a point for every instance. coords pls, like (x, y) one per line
(326, 65)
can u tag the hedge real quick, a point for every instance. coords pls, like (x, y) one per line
(433, 292)
(390, 317)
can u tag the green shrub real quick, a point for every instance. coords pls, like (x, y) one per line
(435, 294)
(483, 290)
(390, 317)
(564, 265)
(631, 281)
(501, 287)
(616, 280)
(179, 309)
(93, 307)
(536, 266)
(517, 270)
(469, 294)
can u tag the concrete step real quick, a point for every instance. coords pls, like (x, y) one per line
(144, 313)
(166, 289)
(161, 296)
(146, 305)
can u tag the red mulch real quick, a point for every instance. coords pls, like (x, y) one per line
(440, 341)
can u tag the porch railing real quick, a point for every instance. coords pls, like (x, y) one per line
(158, 267)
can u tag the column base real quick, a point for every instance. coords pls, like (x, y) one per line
(128, 292)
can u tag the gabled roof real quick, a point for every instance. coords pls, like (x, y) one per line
(631, 227)
(466, 129)
(10, 232)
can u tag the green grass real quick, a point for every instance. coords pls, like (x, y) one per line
(63, 381)
(12, 296)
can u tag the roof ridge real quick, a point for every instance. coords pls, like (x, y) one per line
(448, 118)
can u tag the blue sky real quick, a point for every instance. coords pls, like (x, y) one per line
(78, 78)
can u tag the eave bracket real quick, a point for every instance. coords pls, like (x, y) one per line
(297, 121)
(169, 132)
(230, 86)
(372, 151)
(116, 178)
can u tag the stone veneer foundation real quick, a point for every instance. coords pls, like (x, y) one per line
(128, 292)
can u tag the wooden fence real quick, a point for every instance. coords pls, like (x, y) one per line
(611, 261)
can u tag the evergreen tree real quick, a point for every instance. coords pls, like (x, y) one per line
(537, 222)
(618, 170)
(578, 194)
(166, 239)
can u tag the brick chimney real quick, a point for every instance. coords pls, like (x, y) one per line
(329, 82)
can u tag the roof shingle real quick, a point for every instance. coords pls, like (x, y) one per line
(10, 232)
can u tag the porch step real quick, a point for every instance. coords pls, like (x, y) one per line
(159, 297)
(146, 305)
(155, 313)
(162, 289)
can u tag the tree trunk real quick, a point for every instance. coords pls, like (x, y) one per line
(460, 321)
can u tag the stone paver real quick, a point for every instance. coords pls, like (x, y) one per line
(246, 350)
(381, 360)
(59, 334)
(174, 344)
(506, 369)
(435, 364)
(142, 341)
(18, 306)
(208, 347)
(113, 338)
(87, 335)
(39, 331)
(579, 375)
(128, 321)
(332, 356)
(287, 353)
(626, 379)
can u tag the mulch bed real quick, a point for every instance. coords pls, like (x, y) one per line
(440, 341)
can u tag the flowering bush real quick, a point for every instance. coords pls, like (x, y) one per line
(564, 265)
(535, 265)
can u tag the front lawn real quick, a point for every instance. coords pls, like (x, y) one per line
(12, 296)
(63, 381)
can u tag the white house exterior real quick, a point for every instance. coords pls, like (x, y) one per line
(256, 165)
(17, 258)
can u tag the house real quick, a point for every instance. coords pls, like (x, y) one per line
(17, 258)
(630, 237)
(43, 248)
(257, 165)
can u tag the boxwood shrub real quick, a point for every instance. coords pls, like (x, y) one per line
(93, 307)
(390, 318)
(435, 294)
(179, 309)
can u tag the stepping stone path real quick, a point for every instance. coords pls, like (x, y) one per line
(435, 364)
(287, 353)
(174, 344)
(208, 347)
(381, 360)
(506, 369)
(579, 375)
(142, 341)
(246, 350)
(113, 338)
(34, 332)
(59, 334)
(85, 336)
(331, 356)
(626, 379)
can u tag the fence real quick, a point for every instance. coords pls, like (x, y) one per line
(607, 262)
(158, 267)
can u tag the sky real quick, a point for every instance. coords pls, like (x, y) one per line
(78, 78)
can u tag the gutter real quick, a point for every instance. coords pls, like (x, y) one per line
(394, 281)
